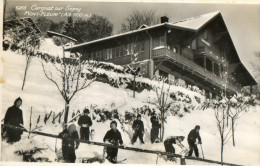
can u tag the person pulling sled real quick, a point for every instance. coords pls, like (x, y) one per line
(168, 144)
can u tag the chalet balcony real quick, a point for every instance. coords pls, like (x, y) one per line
(209, 53)
(164, 53)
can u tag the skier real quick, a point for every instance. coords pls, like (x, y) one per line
(14, 117)
(68, 146)
(113, 136)
(193, 135)
(170, 148)
(85, 122)
(138, 127)
(155, 128)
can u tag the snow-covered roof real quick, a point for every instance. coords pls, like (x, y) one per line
(197, 22)
(115, 36)
(193, 24)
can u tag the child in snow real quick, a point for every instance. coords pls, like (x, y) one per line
(193, 135)
(113, 136)
(85, 122)
(13, 117)
(138, 127)
(155, 127)
(68, 146)
(168, 144)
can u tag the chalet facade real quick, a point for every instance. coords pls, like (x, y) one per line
(196, 51)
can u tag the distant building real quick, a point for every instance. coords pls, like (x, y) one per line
(196, 51)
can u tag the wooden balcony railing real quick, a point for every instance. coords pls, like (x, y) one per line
(193, 67)
(210, 53)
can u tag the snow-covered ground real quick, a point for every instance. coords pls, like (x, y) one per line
(42, 96)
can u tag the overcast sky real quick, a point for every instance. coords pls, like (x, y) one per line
(242, 20)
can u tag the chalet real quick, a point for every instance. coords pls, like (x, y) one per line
(196, 51)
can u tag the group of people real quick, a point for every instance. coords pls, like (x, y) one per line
(193, 137)
(70, 137)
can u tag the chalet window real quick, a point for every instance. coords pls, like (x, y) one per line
(98, 56)
(156, 42)
(205, 35)
(216, 69)
(128, 49)
(92, 56)
(122, 51)
(175, 49)
(208, 65)
(117, 51)
(162, 41)
(142, 45)
(193, 44)
(163, 74)
(108, 54)
(159, 41)
(113, 52)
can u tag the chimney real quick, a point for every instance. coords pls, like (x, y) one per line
(164, 19)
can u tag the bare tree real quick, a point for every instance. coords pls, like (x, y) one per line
(234, 115)
(162, 93)
(133, 48)
(70, 76)
(21, 34)
(138, 18)
(238, 105)
(224, 130)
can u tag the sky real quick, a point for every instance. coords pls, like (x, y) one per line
(242, 20)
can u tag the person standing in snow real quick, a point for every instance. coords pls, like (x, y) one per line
(155, 128)
(138, 127)
(14, 117)
(85, 122)
(69, 146)
(168, 144)
(113, 136)
(192, 137)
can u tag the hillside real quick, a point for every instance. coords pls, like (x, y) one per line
(43, 97)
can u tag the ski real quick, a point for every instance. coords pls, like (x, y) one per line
(120, 161)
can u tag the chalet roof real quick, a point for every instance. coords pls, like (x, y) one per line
(195, 23)
(192, 24)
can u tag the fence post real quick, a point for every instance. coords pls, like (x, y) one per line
(183, 162)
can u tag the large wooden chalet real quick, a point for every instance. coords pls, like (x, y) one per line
(196, 51)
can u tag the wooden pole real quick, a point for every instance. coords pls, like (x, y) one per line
(30, 127)
(122, 147)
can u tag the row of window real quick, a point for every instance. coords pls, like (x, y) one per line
(119, 51)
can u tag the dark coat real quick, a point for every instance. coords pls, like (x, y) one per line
(138, 126)
(193, 135)
(14, 116)
(85, 120)
(155, 122)
(113, 137)
(170, 140)
(68, 146)
(67, 143)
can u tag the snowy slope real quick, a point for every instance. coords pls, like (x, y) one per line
(40, 94)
